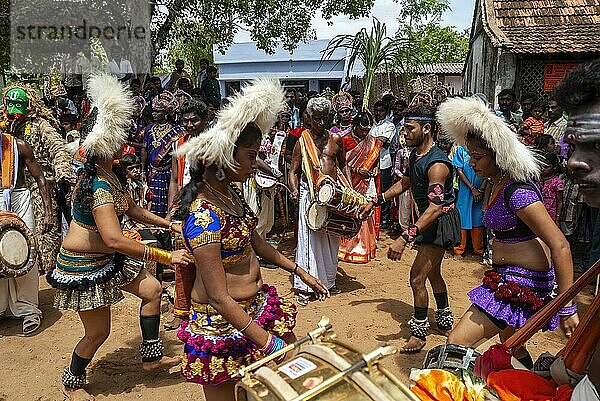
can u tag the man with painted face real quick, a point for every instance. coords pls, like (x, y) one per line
(579, 95)
(316, 251)
(20, 295)
(429, 177)
(27, 118)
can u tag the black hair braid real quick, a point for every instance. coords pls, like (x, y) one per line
(189, 193)
(84, 192)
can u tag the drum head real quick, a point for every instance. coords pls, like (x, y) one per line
(14, 248)
(325, 193)
(316, 216)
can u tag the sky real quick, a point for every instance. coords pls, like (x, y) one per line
(386, 11)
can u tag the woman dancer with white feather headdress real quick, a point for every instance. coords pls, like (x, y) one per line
(530, 253)
(236, 319)
(96, 262)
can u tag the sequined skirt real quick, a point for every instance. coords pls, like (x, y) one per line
(517, 306)
(215, 351)
(86, 281)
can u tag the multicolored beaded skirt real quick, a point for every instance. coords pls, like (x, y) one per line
(215, 351)
(513, 294)
(86, 281)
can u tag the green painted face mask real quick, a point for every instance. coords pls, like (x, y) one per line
(16, 102)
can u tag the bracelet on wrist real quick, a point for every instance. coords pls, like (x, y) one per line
(247, 325)
(153, 254)
(295, 272)
(568, 311)
(410, 233)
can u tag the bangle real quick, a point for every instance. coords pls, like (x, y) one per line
(152, 254)
(171, 225)
(568, 311)
(410, 233)
(295, 272)
(247, 325)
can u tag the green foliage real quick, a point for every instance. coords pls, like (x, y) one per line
(192, 47)
(436, 44)
(268, 22)
(374, 49)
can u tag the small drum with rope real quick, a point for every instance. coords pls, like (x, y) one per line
(18, 248)
(450, 357)
(321, 218)
(264, 181)
(323, 369)
(343, 199)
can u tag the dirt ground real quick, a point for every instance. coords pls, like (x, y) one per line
(373, 309)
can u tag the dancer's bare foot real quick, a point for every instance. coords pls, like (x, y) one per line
(414, 344)
(77, 395)
(173, 324)
(165, 362)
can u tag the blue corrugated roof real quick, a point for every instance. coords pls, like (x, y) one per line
(248, 53)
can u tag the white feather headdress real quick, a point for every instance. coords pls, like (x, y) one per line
(115, 107)
(458, 116)
(257, 102)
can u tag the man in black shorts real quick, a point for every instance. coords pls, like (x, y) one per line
(437, 228)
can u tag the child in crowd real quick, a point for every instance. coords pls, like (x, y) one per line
(552, 185)
(533, 127)
(545, 143)
(139, 192)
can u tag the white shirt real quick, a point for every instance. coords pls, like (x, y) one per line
(120, 70)
(385, 131)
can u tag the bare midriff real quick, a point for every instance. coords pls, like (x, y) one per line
(243, 281)
(532, 254)
(80, 239)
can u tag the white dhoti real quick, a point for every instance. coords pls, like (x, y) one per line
(585, 391)
(20, 295)
(316, 252)
(262, 203)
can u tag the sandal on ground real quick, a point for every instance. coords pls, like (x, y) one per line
(335, 290)
(410, 350)
(302, 299)
(31, 323)
(173, 324)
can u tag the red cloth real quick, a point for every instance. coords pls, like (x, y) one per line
(517, 385)
(297, 132)
(496, 358)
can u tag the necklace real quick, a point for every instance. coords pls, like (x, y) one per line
(215, 192)
(427, 151)
(159, 131)
(496, 185)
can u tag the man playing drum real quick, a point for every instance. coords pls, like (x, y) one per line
(20, 294)
(437, 228)
(318, 153)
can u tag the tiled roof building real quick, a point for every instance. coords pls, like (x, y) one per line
(529, 45)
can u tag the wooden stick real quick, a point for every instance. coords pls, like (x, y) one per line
(581, 345)
(541, 317)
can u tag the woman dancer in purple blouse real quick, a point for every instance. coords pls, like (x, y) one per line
(530, 254)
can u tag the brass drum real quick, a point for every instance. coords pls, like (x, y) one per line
(18, 248)
(314, 364)
(343, 199)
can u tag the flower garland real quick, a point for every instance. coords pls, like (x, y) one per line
(511, 292)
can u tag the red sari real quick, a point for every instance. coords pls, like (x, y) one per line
(364, 154)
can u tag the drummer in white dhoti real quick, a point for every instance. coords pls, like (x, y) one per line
(20, 295)
(317, 153)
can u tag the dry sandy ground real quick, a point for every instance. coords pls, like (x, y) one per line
(373, 309)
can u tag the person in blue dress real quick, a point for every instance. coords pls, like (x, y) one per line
(469, 203)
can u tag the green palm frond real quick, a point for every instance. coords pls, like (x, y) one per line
(374, 49)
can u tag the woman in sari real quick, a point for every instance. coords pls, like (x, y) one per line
(362, 156)
(156, 153)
